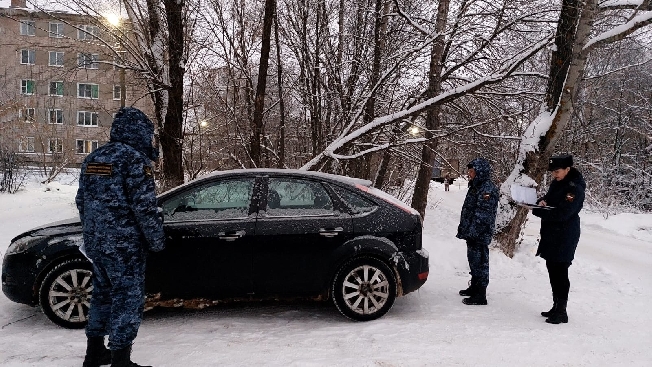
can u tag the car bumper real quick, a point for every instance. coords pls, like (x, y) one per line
(18, 278)
(413, 269)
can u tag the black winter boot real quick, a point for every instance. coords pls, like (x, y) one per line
(468, 292)
(478, 298)
(96, 353)
(553, 309)
(559, 316)
(122, 358)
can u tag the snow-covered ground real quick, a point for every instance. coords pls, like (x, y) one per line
(610, 318)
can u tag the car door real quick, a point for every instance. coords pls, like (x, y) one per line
(210, 230)
(298, 229)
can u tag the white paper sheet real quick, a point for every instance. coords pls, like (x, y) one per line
(526, 195)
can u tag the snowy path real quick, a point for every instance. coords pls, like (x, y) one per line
(610, 324)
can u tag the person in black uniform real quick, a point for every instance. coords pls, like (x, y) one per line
(560, 230)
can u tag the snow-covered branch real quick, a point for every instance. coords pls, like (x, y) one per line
(497, 136)
(617, 70)
(621, 4)
(411, 21)
(503, 72)
(617, 33)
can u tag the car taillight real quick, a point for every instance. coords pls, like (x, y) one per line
(423, 276)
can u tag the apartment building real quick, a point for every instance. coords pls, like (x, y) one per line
(59, 86)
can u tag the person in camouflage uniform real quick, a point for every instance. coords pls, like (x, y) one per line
(119, 214)
(476, 227)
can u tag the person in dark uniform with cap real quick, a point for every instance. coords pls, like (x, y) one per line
(477, 228)
(120, 223)
(560, 230)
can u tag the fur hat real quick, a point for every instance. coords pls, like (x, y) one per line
(560, 161)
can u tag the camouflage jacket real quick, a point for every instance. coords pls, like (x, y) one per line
(478, 216)
(116, 198)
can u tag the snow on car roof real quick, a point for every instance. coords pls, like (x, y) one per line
(322, 175)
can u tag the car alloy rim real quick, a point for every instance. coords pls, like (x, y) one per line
(365, 289)
(70, 294)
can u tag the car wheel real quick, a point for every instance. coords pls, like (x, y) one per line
(364, 289)
(65, 293)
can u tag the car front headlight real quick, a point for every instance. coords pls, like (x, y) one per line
(21, 244)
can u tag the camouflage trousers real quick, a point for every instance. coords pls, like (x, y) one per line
(118, 297)
(478, 255)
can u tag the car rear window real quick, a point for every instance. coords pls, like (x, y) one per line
(355, 201)
(296, 197)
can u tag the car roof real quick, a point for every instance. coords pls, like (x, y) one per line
(263, 171)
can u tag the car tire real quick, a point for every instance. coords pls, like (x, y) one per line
(65, 293)
(364, 289)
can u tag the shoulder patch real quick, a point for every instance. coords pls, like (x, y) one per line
(148, 171)
(571, 184)
(100, 169)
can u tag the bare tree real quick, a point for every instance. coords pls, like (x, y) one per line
(573, 41)
(259, 105)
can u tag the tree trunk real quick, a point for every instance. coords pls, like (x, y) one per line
(172, 137)
(281, 101)
(566, 69)
(259, 104)
(433, 119)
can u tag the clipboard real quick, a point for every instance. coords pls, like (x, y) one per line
(526, 197)
(533, 206)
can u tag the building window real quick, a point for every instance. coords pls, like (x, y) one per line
(55, 145)
(87, 32)
(55, 116)
(56, 89)
(26, 144)
(117, 91)
(27, 28)
(86, 146)
(29, 114)
(27, 86)
(87, 118)
(88, 90)
(27, 57)
(56, 58)
(56, 30)
(87, 61)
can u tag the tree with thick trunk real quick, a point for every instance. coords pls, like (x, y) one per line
(259, 104)
(573, 42)
(433, 118)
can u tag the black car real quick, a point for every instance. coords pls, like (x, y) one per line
(241, 235)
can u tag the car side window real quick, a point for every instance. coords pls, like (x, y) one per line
(295, 197)
(355, 201)
(227, 199)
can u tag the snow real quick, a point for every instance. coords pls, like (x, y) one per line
(610, 323)
(623, 29)
(620, 3)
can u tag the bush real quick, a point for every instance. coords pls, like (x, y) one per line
(12, 171)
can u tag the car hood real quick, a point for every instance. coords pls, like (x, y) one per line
(66, 226)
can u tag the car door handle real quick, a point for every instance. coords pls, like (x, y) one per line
(231, 236)
(330, 232)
